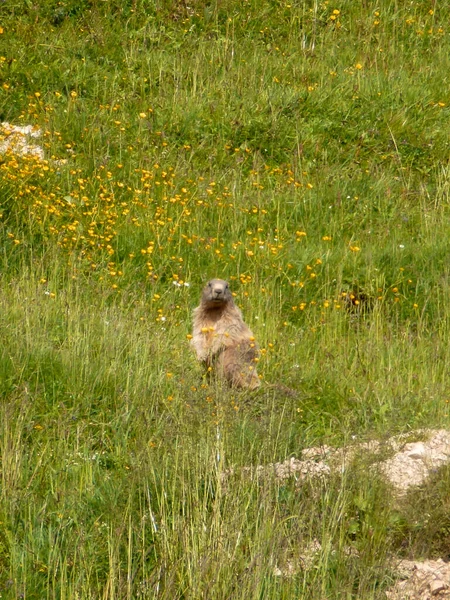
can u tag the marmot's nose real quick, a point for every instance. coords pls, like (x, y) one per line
(218, 292)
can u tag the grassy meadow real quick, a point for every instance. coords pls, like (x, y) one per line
(299, 149)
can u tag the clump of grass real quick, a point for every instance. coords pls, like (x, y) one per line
(423, 526)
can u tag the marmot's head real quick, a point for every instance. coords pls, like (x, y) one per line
(216, 293)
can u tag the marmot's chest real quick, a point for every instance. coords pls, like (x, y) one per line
(211, 330)
(220, 326)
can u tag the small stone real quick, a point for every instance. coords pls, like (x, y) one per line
(437, 586)
(416, 450)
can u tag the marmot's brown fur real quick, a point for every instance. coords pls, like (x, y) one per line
(221, 339)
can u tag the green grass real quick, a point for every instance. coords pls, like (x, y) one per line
(298, 149)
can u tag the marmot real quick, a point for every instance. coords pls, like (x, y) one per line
(221, 339)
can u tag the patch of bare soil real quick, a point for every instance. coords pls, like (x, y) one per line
(305, 561)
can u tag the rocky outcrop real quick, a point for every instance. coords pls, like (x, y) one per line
(409, 465)
(427, 580)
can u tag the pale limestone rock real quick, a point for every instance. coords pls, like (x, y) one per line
(422, 580)
(416, 461)
(16, 139)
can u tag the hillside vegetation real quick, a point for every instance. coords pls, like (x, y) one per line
(299, 149)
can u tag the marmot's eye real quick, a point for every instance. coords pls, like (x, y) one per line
(209, 284)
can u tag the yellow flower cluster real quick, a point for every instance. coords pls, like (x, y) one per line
(122, 223)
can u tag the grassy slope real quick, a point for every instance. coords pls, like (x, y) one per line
(305, 158)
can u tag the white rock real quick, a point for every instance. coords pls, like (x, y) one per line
(416, 450)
